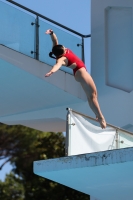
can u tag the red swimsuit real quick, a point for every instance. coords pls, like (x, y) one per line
(72, 58)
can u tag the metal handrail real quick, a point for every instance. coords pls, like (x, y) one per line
(52, 21)
(117, 128)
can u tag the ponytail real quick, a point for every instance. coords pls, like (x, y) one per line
(50, 55)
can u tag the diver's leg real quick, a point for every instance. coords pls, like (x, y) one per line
(89, 87)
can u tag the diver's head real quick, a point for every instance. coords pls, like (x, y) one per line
(57, 50)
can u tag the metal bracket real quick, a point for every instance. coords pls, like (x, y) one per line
(34, 52)
(72, 124)
(32, 23)
(79, 45)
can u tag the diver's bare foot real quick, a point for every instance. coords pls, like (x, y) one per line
(102, 121)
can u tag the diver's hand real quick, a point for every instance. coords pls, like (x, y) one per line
(49, 31)
(48, 74)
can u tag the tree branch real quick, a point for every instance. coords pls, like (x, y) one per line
(4, 163)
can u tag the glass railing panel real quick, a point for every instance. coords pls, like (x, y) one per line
(16, 29)
(64, 38)
(125, 140)
(18, 33)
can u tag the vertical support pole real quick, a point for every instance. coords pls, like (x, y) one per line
(37, 37)
(117, 140)
(82, 50)
(67, 132)
(83, 55)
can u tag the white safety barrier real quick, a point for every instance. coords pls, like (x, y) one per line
(83, 135)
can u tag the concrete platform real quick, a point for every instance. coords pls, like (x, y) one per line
(106, 175)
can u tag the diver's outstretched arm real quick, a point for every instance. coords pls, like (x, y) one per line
(57, 66)
(53, 37)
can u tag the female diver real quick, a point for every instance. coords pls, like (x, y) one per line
(66, 57)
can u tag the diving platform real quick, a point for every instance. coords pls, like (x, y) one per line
(106, 175)
(30, 99)
(98, 163)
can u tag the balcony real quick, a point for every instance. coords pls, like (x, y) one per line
(27, 97)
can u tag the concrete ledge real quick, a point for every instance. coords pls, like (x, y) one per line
(105, 175)
(60, 79)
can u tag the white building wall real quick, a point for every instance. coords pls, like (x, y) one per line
(112, 59)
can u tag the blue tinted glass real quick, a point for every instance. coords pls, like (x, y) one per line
(18, 33)
(16, 29)
(64, 38)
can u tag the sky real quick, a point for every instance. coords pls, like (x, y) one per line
(71, 13)
(74, 14)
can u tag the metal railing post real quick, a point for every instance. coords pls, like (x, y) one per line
(37, 38)
(36, 48)
(67, 132)
(83, 55)
(82, 49)
(116, 138)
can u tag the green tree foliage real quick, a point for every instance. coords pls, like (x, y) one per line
(21, 146)
(11, 188)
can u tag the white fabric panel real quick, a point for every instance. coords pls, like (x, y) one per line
(85, 137)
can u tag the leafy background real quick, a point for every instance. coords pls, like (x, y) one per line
(21, 146)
